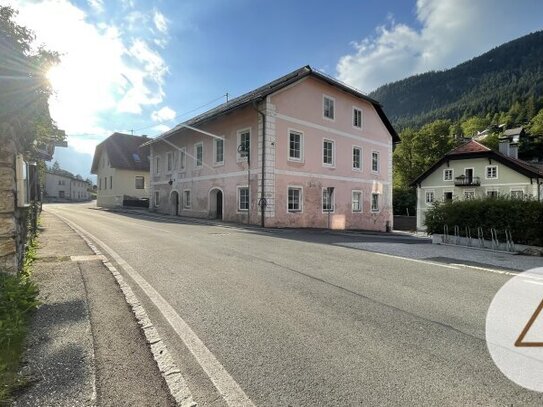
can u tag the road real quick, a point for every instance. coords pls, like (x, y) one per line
(306, 318)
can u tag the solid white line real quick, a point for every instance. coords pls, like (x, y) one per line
(229, 389)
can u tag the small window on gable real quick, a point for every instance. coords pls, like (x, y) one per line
(328, 108)
(492, 172)
(357, 118)
(448, 174)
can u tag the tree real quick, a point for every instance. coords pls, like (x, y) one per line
(536, 124)
(24, 88)
(474, 124)
(55, 167)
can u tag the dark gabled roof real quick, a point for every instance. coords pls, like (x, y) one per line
(517, 131)
(274, 86)
(124, 152)
(473, 149)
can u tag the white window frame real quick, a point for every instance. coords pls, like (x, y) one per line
(332, 200)
(187, 203)
(156, 199)
(358, 109)
(372, 208)
(452, 174)
(359, 158)
(182, 159)
(169, 168)
(490, 190)
(333, 118)
(215, 150)
(157, 165)
(301, 134)
(196, 145)
(333, 164)
(360, 202)
(239, 157)
(375, 152)
(486, 171)
(448, 192)
(239, 188)
(469, 191)
(136, 181)
(428, 193)
(521, 190)
(301, 198)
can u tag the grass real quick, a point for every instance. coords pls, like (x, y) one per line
(18, 298)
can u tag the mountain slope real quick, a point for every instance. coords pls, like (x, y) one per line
(489, 83)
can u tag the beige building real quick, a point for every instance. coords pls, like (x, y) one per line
(475, 171)
(122, 171)
(63, 186)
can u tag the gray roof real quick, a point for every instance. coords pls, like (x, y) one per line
(513, 132)
(271, 87)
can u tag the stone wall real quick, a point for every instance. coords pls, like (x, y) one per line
(13, 224)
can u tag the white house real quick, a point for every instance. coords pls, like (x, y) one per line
(63, 186)
(122, 171)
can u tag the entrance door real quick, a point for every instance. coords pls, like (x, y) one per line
(219, 205)
(468, 172)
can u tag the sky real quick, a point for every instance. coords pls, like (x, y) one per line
(143, 66)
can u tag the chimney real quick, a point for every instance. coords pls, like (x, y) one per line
(513, 150)
(504, 146)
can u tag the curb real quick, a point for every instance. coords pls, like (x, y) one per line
(176, 383)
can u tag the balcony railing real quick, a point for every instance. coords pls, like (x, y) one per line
(463, 181)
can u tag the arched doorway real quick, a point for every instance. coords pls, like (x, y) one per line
(174, 203)
(216, 203)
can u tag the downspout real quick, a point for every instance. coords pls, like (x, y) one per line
(262, 200)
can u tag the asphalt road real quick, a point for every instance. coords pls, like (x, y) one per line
(305, 318)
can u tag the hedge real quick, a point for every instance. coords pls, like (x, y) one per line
(523, 217)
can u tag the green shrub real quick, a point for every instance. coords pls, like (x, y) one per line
(523, 217)
(404, 201)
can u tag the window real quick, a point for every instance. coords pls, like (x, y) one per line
(357, 118)
(375, 202)
(186, 199)
(448, 174)
(199, 154)
(99, 184)
(469, 194)
(157, 199)
(182, 158)
(295, 146)
(328, 152)
(429, 197)
(328, 200)
(243, 198)
(357, 158)
(110, 182)
(447, 196)
(517, 194)
(294, 199)
(61, 194)
(140, 182)
(357, 201)
(244, 144)
(157, 165)
(492, 172)
(492, 193)
(218, 151)
(328, 107)
(59, 182)
(375, 161)
(169, 162)
(105, 182)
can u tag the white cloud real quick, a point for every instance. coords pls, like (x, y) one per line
(160, 128)
(161, 23)
(102, 71)
(451, 32)
(97, 5)
(164, 114)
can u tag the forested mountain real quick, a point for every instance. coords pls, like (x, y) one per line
(509, 77)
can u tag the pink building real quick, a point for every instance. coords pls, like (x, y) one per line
(302, 151)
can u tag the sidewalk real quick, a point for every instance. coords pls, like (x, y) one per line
(84, 347)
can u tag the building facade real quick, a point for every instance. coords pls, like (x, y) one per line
(65, 187)
(475, 171)
(122, 170)
(302, 151)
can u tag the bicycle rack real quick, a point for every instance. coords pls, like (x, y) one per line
(456, 234)
(509, 244)
(468, 236)
(495, 241)
(481, 237)
(445, 233)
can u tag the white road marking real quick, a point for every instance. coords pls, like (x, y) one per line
(229, 389)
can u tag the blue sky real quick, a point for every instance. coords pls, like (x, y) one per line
(135, 64)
